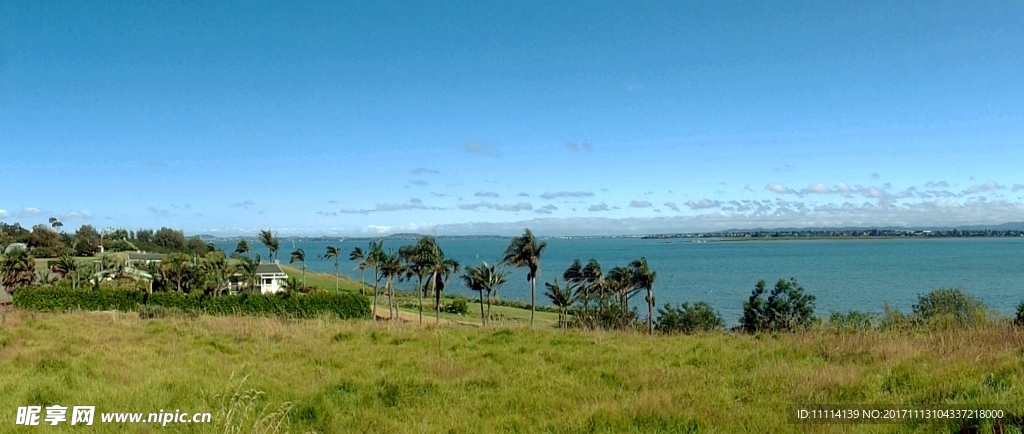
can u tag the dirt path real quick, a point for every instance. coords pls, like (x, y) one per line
(412, 317)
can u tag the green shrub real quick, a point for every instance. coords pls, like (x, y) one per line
(1019, 320)
(343, 305)
(853, 320)
(458, 306)
(949, 308)
(787, 308)
(687, 318)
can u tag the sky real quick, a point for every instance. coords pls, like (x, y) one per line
(572, 118)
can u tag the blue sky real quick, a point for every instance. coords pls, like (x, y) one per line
(356, 118)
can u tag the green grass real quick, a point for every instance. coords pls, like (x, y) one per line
(332, 376)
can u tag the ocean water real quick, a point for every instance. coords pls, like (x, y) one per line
(843, 274)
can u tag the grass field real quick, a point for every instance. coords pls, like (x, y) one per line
(336, 376)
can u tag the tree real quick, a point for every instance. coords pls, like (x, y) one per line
(67, 267)
(440, 268)
(484, 279)
(17, 269)
(215, 271)
(44, 242)
(358, 255)
(269, 239)
(243, 248)
(299, 255)
(334, 253)
(561, 298)
(644, 278)
(687, 318)
(574, 276)
(786, 308)
(419, 259)
(621, 284)
(56, 224)
(524, 251)
(391, 267)
(374, 258)
(176, 268)
(247, 268)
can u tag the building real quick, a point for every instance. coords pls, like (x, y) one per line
(271, 277)
(137, 258)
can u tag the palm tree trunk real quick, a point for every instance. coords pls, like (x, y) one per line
(376, 279)
(419, 292)
(488, 306)
(303, 274)
(437, 301)
(483, 320)
(650, 310)
(533, 299)
(337, 278)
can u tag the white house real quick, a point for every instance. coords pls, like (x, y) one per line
(271, 278)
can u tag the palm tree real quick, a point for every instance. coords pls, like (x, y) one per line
(66, 266)
(418, 261)
(620, 282)
(299, 255)
(644, 278)
(484, 278)
(176, 267)
(391, 266)
(335, 253)
(247, 268)
(574, 276)
(269, 239)
(358, 255)
(374, 258)
(215, 270)
(524, 251)
(243, 248)
(561, 298)
(595, 280)
(17, 269)
(441, 269)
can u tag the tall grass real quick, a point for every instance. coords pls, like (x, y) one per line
(325, 375)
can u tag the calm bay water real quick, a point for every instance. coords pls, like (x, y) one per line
(842, 274)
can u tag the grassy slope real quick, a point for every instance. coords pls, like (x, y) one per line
(366, 377)
(513, 315)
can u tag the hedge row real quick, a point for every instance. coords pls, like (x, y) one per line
(344, 305)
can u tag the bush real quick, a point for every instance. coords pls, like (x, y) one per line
(699, 317)
(947, 307)
(344, 305)
(1019, 320)
(853, 320)
(458, 306)
(787, 308)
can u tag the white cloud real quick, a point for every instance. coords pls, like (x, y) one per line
(244, 204)
(777, 188)
(1017, 187)
(818, 188)
(703, 204)
(672, 206)
(546, 209)
(981, 188)
(30, 212)
(843, 188)
(485, 194)
(599, 207)
(562, 194)
(3, 213)
(86, 215)
(936, 184)
(521, 206)
(640, 204)
(424, 170)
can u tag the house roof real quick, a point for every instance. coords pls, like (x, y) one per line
(269, 269)
(146, 256)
